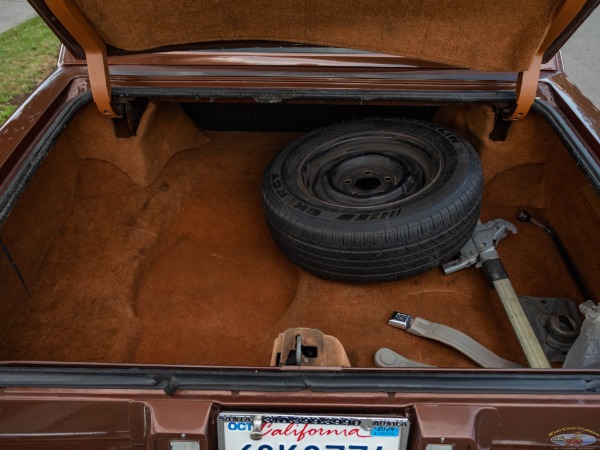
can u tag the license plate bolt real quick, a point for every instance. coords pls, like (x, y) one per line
(366, 424)
(256, 433)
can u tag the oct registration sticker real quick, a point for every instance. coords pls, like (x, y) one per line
(243, 431)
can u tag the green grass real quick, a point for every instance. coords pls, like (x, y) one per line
(28, 54)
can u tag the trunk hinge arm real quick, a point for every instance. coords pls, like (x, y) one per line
(528, 80)
(527, 85)
(95, 52)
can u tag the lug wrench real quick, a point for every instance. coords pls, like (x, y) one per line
(480, 250)
(524, 216)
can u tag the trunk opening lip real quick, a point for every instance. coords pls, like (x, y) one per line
(280, 59)
(170, 380)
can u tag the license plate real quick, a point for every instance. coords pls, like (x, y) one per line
(254, 431)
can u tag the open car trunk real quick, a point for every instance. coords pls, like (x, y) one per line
(154, 248)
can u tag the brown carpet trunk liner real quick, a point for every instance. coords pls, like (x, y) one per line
(185, 272)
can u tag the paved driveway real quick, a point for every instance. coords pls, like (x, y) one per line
(13, 12)
(581, 55)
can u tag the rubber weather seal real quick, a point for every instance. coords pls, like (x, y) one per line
(265, 380)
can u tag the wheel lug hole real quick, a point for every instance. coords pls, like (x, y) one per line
(348, 181)
(368, 172)
(388, 179)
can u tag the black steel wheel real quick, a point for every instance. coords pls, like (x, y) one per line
(373, 200)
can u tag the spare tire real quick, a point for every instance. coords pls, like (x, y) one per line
(373, 200)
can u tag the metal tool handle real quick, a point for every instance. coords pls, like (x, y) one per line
(460, 341)
(531, 347)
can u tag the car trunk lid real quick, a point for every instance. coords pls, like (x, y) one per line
(508, 37)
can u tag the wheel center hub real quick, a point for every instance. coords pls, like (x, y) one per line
(367, 184)
(369, 175)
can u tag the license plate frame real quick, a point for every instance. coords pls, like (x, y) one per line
(277, 431)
